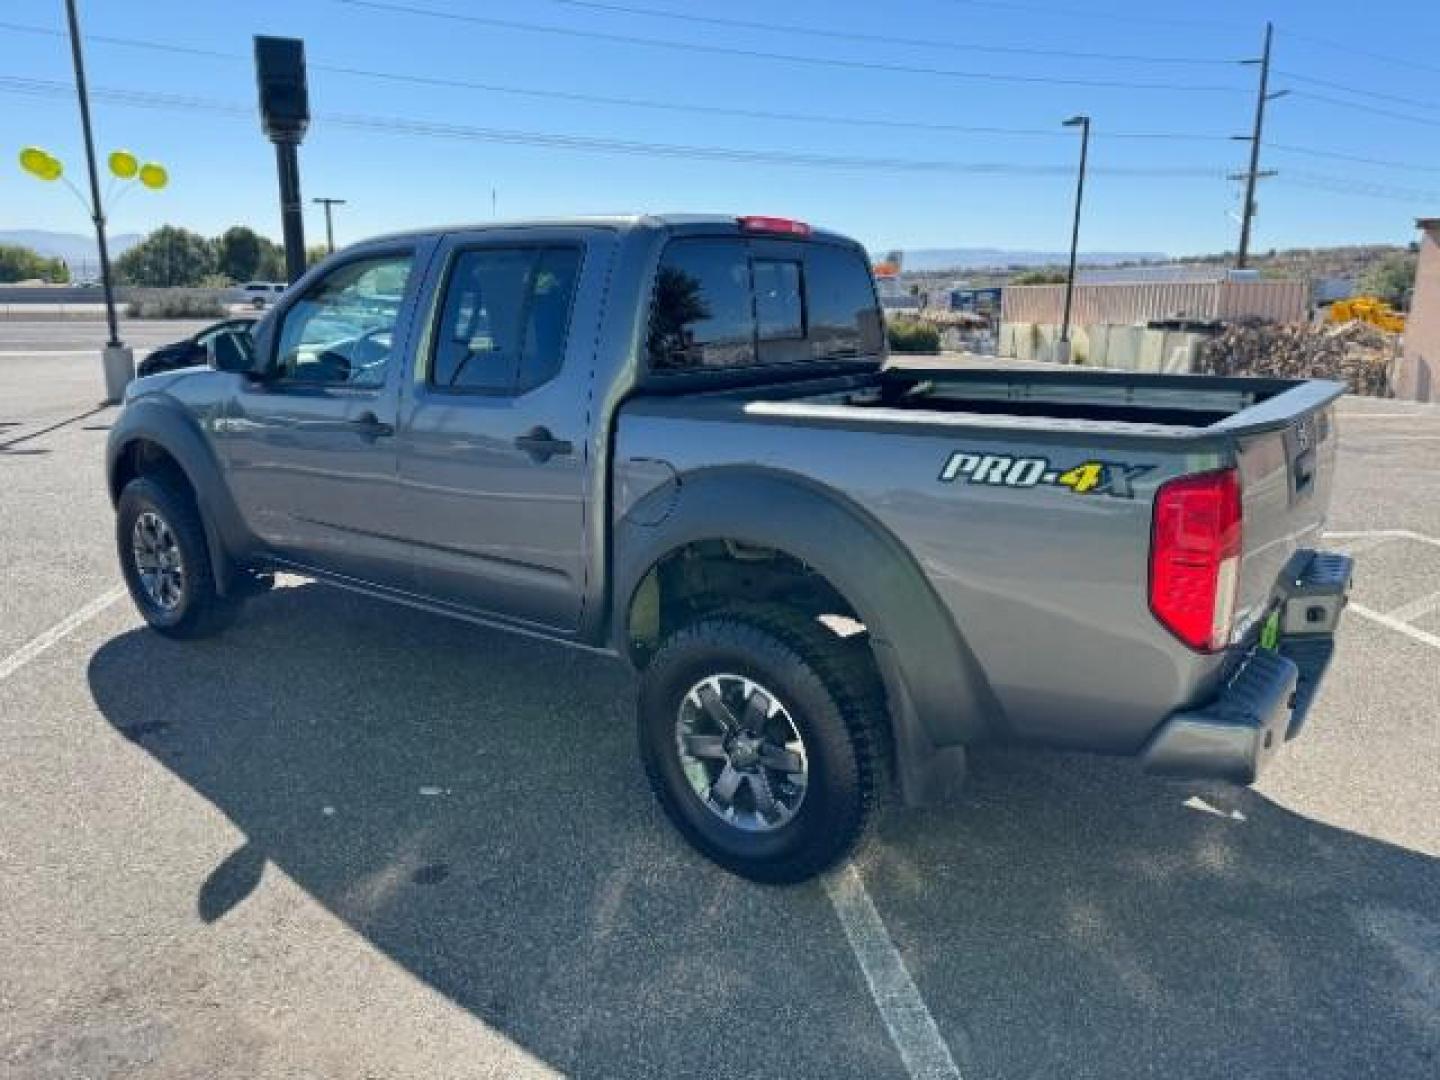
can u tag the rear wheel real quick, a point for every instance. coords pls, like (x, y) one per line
(166, 562)
(759, 731)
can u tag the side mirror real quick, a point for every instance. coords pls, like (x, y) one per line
(231, 352)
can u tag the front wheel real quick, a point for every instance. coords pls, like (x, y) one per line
(760, 735)
(166, 562)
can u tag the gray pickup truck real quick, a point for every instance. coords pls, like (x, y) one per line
(675, 439)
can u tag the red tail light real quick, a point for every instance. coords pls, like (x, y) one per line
(1195, 557)
(786, 226)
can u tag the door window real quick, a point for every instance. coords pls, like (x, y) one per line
(342, 330)
(505, 318)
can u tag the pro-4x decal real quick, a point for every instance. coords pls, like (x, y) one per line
(1091, 477)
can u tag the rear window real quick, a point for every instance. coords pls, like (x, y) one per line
(844, 318)
(703, 315)
(720, 303)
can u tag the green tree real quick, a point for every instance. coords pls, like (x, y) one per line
(237, 253)
(23, 264)
(272, 262)
(1391, 278)
(1039, 277)
(168, 256)
(314, 254)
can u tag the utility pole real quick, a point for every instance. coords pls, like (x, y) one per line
(329, 224)
(118, 361)
(1083, 123)
(1254, 173)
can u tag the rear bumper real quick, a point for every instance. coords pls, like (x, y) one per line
(1265, 701)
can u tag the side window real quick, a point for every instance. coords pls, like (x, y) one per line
(703, 315)
(844, 318)
(547, 319)
(505, 318)
(341, 332)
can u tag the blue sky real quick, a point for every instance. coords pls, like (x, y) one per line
(222, 169)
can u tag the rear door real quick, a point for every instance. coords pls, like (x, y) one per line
(495, 425)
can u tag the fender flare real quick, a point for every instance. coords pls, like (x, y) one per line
(175, 432)
(939, 699)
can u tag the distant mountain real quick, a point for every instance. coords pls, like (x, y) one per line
(77, 249)
(926, 259)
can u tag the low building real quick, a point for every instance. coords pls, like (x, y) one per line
(1419, 374)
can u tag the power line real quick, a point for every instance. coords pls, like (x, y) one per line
(810, 30)
(632, 102)
(134, 43)
(1356, 158)
(1374, 110)
(1350, 49)
(1090, 15)
(1397, 98)
(439, 129)
(1346, 186)
(750, 114)
(790, 58)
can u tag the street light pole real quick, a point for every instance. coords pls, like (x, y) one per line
(117, 359)
(329, 224)
(1083, 123)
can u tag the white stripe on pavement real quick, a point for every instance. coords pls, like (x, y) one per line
(1384, 534)
(37, 353)
(1410, 612)
(903, 1010)
(1422, 636)
(68, 625)
(1362, 414)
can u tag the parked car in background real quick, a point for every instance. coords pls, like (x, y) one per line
(192, 351)
(258, 294)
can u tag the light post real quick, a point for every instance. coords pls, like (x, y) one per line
(125, 168)
(1063, 349)
(117, 358)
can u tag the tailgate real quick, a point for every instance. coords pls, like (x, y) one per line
(1286, 459)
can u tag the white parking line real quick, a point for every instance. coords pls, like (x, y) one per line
(1384, 534)
(1415, 608)
(911, 1027)
(48, 352)
(1422, 636)
(68, 625)
(1361, 414)
(1399, 438)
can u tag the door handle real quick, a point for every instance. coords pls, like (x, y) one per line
(542, 446)
(371, 426)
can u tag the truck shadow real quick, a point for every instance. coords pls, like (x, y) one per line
(470, 803)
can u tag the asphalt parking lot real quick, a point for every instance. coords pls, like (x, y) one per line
(351, 840)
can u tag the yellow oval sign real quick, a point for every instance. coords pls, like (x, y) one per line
(154, 176)
(40, 163)
(124, 164)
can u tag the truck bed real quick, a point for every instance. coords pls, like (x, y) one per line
(1047, 583)
(1099, 402)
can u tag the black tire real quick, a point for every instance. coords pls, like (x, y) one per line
(830, 690)
(199, 610)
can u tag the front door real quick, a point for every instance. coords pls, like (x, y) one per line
(495, 429)
(310, 447)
